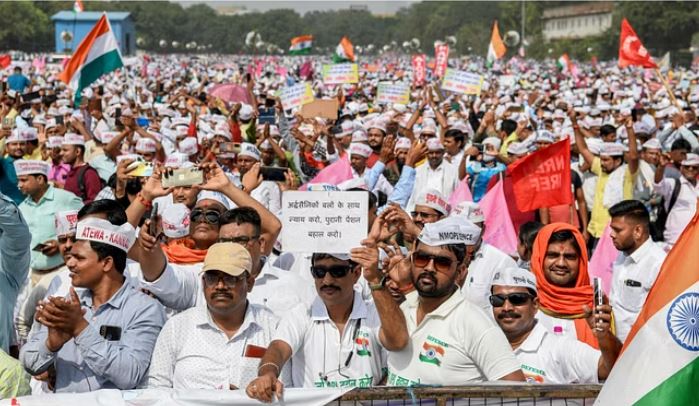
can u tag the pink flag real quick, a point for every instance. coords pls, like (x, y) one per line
(39, 64)
(335, 173)
(461, 194)
(499, 231)
(602, 259)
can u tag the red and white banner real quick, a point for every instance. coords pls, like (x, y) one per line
(631, 50)
(419, 69)
(441, 56)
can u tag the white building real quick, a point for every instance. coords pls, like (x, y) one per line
(577, 21)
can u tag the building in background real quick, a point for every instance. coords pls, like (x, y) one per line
(71, 28)
(577, 21)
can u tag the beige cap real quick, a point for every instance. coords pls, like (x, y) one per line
(228, 257)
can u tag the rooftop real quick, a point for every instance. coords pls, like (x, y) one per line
(597, 7)
(89, 16)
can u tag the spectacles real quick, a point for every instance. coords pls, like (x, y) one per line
(64, 239)
(242, 240)
(691, 168)
(441, 264)
(212, 279)
(417, 214)
(516, 299)
(337, 271)
(210, 216)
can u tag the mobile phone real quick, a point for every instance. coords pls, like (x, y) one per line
(117, 112)
(183, 177)
(40, 247)
(59, 120)
(153, 227)
(142, 169)
(273, 173)
(634, 115)
(161, 87)
(597, 291)
(100, 90)
(11, 94)
(229, 147)
(266, 116)
(110, 333)
(478, 146)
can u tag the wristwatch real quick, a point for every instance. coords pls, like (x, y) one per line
(379, 286)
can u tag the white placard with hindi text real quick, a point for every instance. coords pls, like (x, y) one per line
(324, 222)
(296, 96)
(460, 81)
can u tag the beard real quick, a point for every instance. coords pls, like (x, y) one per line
(432, 289)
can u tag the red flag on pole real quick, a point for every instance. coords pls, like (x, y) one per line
(542, 179)
(419, 69)
(441, 57)
(631, 50)
(5, 61)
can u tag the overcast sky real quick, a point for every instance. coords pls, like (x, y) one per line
(376, 7)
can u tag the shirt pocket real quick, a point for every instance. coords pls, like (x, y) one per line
(245, 372)
(633, 294)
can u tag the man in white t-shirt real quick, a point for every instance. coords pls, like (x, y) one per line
(544, 356)
(452, 341)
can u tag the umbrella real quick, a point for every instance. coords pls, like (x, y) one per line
(231, 93)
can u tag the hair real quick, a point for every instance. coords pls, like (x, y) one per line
(81, 150)
(318, 256)
(631, 209)
(242, 215)
(34, 142)
(373, 200)
(528, 232)
(607, 129)
(105, 250)
(681, 144)
(456, 134)
(111, 208)
(565, 236)
(41, 175)
(459, 251)
(508, 126)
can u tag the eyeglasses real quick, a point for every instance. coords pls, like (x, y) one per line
(691, 168)
(516, 299)
(212, 279)
(242, 240)
(64, 239)
(441, 264)
(337, 271)
(417, 214)
(210, 216)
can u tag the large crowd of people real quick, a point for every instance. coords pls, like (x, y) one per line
(120, 272)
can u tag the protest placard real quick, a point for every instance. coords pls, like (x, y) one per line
(324, 222)
(419, 63)
(441, 57)
(340, 73)
(393, 93)
(462, 82)
(324, 108)
(296, 95)
(507, 81)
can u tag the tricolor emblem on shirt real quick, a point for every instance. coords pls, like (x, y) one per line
(363, 347)
(431, 353)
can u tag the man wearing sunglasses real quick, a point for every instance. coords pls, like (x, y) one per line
(341, 340)
(545, 356)
(224, 339)
(452, 341)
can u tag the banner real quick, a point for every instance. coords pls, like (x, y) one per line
(419, 69)
(460, 81)
(341, 73)
(631, 50)
(324, 222)
(499, 231)
(296, 95)
(441, 57)
(321, 108)
(393, 93)
(183, 397)
(542, 179)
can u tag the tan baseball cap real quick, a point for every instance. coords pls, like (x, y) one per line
(228, 257)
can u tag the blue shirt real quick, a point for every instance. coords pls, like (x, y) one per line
(481, 175)
(18, 82)
(8, 180)
(404, 187)
(14, 264)
(89, 362)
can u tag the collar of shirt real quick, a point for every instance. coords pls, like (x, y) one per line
(267, 271)
(48, 195)
(203, 318)
(534, 340)
(115, 301)
(637, 256)
(442, 311)
(359, 311)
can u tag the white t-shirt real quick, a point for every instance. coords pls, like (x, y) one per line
(321, 358)
(454, 345)
(551, 359)
(486, 262)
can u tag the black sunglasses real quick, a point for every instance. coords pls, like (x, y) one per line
(516, 299)
(337, 271)
(441, 264)
(210, 216)
(242, 240)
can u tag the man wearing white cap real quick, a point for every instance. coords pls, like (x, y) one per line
(42, 202)
(375, 181)
(452, 341)
(83, 180)
(437, 174)
(482, 171)
(680, 196)
(102, 337)
(678, 129)
(14, 147)
(267, 193)
(545, 357)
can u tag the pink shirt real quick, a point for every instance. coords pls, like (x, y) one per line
(58, 173)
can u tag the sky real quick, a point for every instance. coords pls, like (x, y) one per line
(302, 7)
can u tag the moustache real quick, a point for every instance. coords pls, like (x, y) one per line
(428, 275)
(221, 294)
(330, 287)
(512, 315)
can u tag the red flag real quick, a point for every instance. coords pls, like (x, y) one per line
(631, 50)
(542, 179)
(5, 61)
(419, 69)
(441, 57)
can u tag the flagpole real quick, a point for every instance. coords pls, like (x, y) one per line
(667, 87)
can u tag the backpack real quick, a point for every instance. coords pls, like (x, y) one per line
(81, 181)
(658, 228)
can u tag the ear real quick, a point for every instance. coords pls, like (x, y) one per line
(108, 264)
(250, 282)
(263, 244)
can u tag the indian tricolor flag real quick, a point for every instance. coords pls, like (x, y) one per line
(78, 6)
(496, 49)
(344, 51)
(301, 45)
(564, 63)
(659, 363)
(97, 54)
